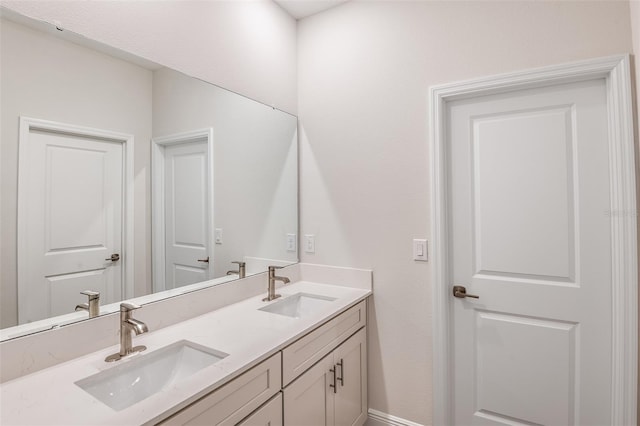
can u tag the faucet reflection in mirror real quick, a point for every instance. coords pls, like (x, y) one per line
(93, 305)
(191, 156)
(242, 270)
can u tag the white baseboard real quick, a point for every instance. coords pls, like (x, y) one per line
(378, 418)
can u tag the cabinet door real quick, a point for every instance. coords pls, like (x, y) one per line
(308, 401)
(270, 414)
(350, 359)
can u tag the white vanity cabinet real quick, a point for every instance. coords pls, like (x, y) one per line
(333, 391)
(324, 373)
(231, 403)
(319, 379)
(311, 348)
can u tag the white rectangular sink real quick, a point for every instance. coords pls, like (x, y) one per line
(298, 305)
(136, 379)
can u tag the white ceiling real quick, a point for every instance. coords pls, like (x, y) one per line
(302, 8)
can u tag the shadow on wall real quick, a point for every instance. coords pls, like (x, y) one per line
(314, 180)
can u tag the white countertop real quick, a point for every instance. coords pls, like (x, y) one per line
(50, 397)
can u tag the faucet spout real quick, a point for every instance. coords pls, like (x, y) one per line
(136, 326)
(285, 280)
(82, 307)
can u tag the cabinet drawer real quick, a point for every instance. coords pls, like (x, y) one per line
(302, 354)
(235, 400)
(270, 414)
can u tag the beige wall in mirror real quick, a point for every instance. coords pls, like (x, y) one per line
(223, 166)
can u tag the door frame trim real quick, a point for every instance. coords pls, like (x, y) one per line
(158, 199)
(624, 251)
(127, 140)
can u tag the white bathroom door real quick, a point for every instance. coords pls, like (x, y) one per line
(530, 235)
(187, 251)
(71, 214)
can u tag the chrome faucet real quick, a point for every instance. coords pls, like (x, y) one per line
(242, 270)
(93, 305)
(128, 325)
(271, 295)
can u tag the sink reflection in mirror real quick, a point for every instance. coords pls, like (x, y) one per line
(298, 305)
(198, 178)
(137, 379)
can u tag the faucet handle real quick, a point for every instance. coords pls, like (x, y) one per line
(92, 294)
(127, 307)
(239, 263)
(273, 267)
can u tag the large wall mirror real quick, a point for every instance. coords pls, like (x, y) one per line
(129, 179)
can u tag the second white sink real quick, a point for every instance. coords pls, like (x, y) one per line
(298, 305)
(136, 379)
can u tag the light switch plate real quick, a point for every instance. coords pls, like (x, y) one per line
(218, 236)
(291, 242)
(309, 243)
(420, 250)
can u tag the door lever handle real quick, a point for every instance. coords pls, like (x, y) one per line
(461, 292)
(204, 260)
(114, 257)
